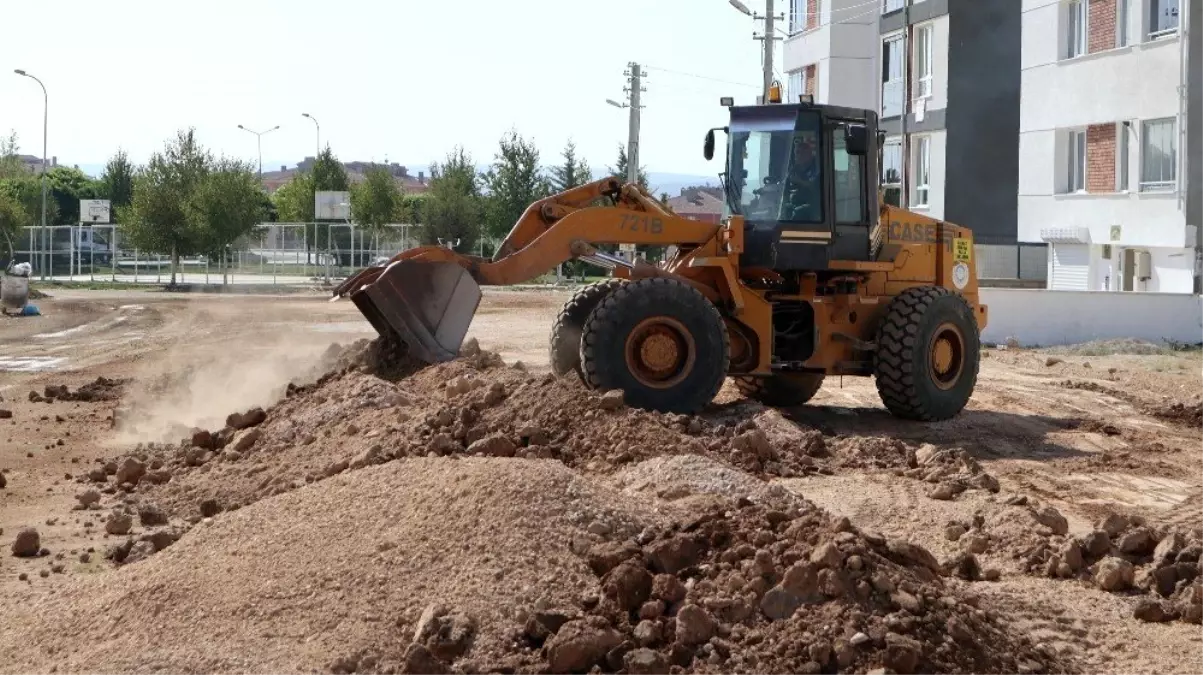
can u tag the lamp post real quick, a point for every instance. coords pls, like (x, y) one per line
(259, 139)
(319, 134)
(769, 39)
(45, 127)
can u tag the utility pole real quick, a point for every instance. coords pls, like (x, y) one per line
(633, 89)
(770, 38)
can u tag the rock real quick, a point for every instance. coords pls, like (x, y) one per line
(209, 508)
(1113, 524)
(902, 653)
(964, 566)
(1017, 500)
(1114, 574)
(161, 539)
(6, 414)
(27, 543)
(251, 418)
(778, 603)
(495, 445)
(203, 439)
(647, 633)
(645, 662)
(98, 475)
(119, 523)
(246, 440)
(907, 601)
(914, 553)
(608, 555)
(629, 585)
(1154, 610)
(149, 514)
(946, 491)
(858, 639)
(336, 468)
(1164, 580)
(694, 625)
(827, 555)
(756, 443)
(1167, 549)
(139, 551)
(802, 580)
(954, 532)
(88, 498)
(1052, 519)
(612, 400)
(110, 468)
(131, 471)
(1138, 541)
(448, 635)
(419, 661)
(1095, 544)
(581, 644)
(1052, 361)
(541, 625)
(992, 574)
(674, 554)
(1071, 555)
(668, 588)
(652, 609)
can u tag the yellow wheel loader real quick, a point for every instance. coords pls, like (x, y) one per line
(809, 274)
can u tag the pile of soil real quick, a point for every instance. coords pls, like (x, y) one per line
(1187, 413)
(100, 389)
(1125, 554)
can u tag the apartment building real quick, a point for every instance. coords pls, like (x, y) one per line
(1108, 91)
(944, 75)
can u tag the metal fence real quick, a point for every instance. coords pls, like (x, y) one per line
(278, 253)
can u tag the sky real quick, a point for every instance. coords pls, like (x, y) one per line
(405, 80)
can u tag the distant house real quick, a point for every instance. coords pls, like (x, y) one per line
(699, 203)
(273, 180)
(33, 163)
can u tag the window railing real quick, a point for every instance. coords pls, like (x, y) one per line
(893, 94)
(1164, 32)
(1157, 186)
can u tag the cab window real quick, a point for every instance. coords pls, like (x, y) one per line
(848, 181)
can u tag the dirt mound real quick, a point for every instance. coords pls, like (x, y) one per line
(1187, 413)
(1128, 554)
(35, 294)
(772, 588)
(100, 389)
(680, 476)
(333, 572)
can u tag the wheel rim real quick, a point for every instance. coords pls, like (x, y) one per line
(660, 352)
(946, 356)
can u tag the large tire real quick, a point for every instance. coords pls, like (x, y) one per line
(565, 343)
(780, 390)
(661, 342)
(928, 353)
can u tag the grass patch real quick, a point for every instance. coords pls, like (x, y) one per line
(1126, 347)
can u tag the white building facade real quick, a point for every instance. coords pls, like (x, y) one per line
(943, 76)
(1104, 175)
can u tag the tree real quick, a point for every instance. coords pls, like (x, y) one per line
(375, 201)
(158, 217)
(620, 170)
(66, 187)
(227, 203)
(329, 173)
(452, 208)
(513, 183)
(13, 217)
(117, 181)
(11, 165)
(572, 173)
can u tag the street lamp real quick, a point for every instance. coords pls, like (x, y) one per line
(614, 103)
(45, 126)
(741, 7)
(319, 134)
(259, 138)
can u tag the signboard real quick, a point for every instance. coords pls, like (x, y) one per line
(94, 211)
(1116, 232)
(332, 205)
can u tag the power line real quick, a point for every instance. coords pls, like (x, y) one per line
(700, 77)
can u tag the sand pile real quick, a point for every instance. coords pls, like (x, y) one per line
(334, 571)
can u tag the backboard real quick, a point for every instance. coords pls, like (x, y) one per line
(332, 205)
(94, 212)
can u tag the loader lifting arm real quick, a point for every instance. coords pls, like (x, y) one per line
(427, 296)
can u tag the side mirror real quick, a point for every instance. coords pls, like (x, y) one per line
(856, 139)
(708, 146)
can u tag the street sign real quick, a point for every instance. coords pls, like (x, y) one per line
(94, 212)
(332, 205)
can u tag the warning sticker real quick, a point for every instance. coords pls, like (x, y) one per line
(962, 250)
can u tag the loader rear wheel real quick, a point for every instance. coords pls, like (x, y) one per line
(781, 390)
(928, 349)
(565, 343)
(661, 342)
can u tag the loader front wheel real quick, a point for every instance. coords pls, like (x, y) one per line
(781, 390)
(928, 352)
(661, 342)
(565, 343)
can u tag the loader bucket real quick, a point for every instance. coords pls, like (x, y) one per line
(428, 305)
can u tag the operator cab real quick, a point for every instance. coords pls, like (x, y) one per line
(802, 177)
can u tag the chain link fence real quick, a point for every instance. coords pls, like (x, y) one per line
(276, 254)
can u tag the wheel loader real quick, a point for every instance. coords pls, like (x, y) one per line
(808, 275)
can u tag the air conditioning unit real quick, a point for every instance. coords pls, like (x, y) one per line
(1144, 266)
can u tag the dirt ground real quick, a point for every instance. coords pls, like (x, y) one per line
(341, 516)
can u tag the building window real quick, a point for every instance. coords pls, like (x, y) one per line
(923, 61)
(795, 85)
(1121, 23)
(1158, 155)
(922, 170)
(1077, 162)
(1121, 162)
(1163, 18)
(891, 171)
(893, 64)
(797, 16)
(1076, 26)
(891, 6)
